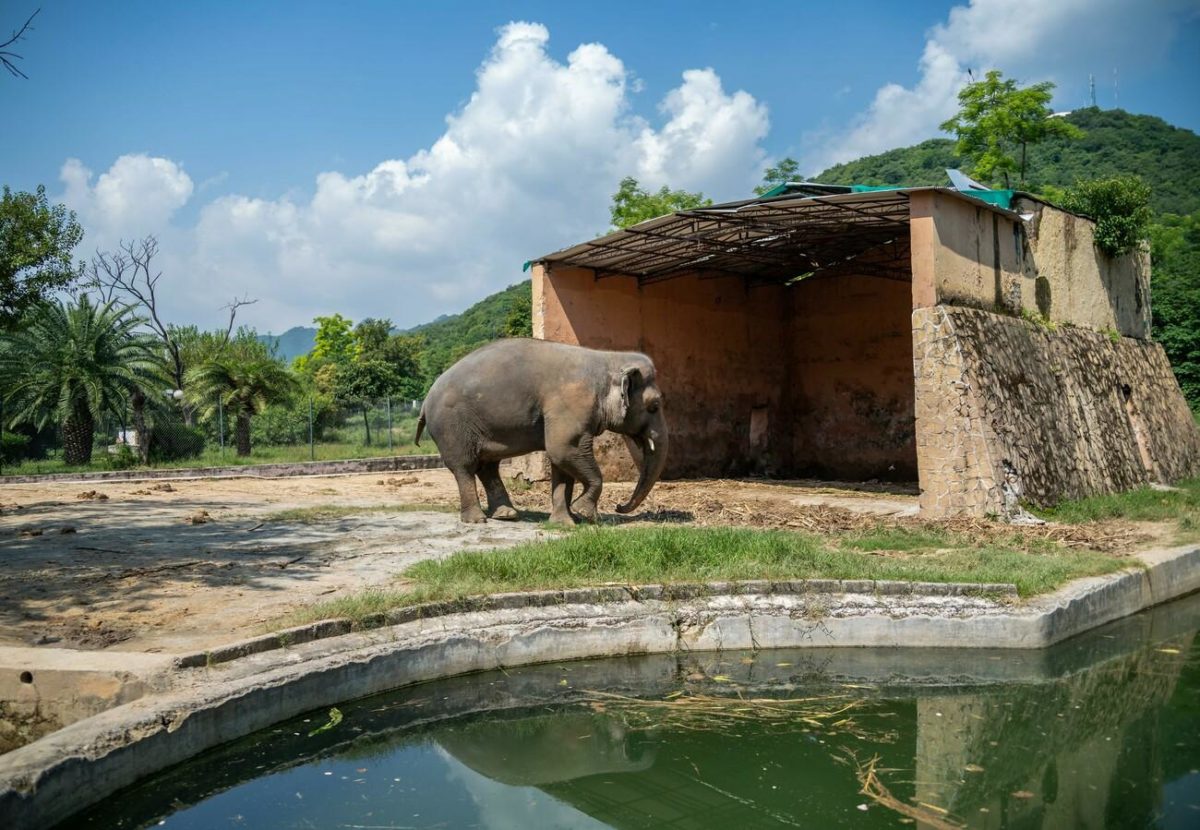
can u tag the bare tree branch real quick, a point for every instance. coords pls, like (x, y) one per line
(128, 275)
(7, 56)
(233, 306)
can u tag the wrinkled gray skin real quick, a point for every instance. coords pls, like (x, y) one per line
(516, 396)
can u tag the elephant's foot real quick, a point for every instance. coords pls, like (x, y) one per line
(472, 515)
(586, 511)
(506, 513)
(562, 517)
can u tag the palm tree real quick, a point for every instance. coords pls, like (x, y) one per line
(73, 363)
(244, 385)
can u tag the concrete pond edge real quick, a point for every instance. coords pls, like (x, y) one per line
(48, 780)
(677, 592)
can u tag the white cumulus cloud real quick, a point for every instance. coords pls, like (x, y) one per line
(1030, 40)
(137, 195)
(528, 164)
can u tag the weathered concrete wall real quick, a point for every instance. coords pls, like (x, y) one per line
(1008, 410)
(813, 379)
(852, 382)
(967, 254)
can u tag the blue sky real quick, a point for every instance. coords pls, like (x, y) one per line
(402, 159)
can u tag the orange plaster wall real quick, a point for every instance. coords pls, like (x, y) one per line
(718, 348)
(852, 370)
(815, 378)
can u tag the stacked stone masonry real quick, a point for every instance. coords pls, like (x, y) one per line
(1009, 411)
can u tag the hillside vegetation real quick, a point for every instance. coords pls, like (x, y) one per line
(1115, 143)
(506, 313)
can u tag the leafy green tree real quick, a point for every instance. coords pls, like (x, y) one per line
(996, 120)
(334, 343)
(370, 336)
(788, 170)
(1175, 288)
(632, 204)
(73, 363)
(1120, 206)
(245, 384)
(36, 241)
(362, 382)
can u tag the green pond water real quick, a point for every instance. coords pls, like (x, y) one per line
(1101, 731)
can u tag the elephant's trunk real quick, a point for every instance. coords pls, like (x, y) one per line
(652, 463)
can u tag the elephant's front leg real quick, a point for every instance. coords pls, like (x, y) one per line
(578, 461)
(561, 487)
(500, 506)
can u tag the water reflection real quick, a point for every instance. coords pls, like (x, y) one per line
(1103, 731)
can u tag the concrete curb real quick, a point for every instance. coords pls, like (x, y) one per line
(385, 464)
(46, 781)
(589, 596)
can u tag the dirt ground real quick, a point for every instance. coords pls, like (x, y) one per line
(178, 566)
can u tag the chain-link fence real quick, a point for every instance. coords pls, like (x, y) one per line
(177, 433)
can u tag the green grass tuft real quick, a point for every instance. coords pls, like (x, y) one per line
(1144, 504)
(640, 556)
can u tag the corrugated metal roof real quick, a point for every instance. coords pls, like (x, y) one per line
(767, 239)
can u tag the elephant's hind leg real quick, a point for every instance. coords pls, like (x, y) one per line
(470, 510)
(499, 504)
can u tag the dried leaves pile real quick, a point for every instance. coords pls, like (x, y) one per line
(736, 504)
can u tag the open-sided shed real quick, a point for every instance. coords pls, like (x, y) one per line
(976, 343)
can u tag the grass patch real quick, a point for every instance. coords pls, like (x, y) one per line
(331, 512)
(1144, 504)
(637, 556)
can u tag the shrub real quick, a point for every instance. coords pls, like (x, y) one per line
(122, 459)
(1119, 205)
(13, 447)
(171, 441)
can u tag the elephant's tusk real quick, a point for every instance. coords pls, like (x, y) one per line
(650, 443)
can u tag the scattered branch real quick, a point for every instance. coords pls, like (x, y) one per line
(7, 56)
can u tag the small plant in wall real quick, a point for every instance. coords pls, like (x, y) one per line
(1038, 319)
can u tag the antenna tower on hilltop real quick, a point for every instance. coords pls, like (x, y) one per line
(1092, 88)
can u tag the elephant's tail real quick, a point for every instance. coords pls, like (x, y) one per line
(420, 426)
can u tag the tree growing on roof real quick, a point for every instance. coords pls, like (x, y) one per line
(997, 122)
(632, 203)
(788, 170)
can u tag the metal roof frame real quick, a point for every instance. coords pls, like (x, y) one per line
(767, 240)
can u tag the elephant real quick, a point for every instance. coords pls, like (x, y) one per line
(519, 395)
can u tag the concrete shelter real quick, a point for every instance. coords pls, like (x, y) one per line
(980, 345)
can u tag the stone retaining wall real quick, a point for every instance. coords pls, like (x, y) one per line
(387, 464)
(1010, 411)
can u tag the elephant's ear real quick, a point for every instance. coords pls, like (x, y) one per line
(631, 377)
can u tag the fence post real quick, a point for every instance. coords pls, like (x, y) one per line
(221, 425)
(312, 450)
(389, 412)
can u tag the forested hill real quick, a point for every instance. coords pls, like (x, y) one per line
(292, 343)
(506, 313)
(1115, 143)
